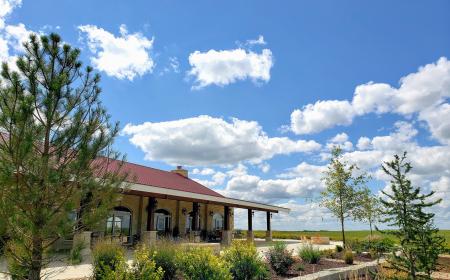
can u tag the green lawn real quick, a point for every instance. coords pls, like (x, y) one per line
(334, 235)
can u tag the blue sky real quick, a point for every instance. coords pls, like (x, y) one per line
(250, 95)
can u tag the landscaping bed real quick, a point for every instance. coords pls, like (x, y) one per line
(442, 271)
(444, 264)
(358, 257)
(301, 268)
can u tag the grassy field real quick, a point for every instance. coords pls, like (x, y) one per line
(334, 235)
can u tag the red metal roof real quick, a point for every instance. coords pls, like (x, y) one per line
(149, 176)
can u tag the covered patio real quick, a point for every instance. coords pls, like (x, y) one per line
(159, 204)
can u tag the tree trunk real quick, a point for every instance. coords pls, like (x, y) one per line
(413, 271)
(343, 231)
(36, 259)
(371, 236)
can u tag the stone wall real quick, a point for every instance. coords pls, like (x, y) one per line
(132, 203)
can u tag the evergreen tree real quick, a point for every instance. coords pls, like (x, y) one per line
(413, 227)
(343, 188)
(369, 209)
(55, 151)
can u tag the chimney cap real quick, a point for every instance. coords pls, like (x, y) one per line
(180, 170)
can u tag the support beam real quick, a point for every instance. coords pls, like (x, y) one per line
(205, 222)
(250, 236)
(139, 225)
(177, 228)
(195, 233)
(149, 236)
(226, 218)
(196, 218)
(151, 214)
(269, 228)
(226, 233)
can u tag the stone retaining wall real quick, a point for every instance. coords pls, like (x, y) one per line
(341, 272)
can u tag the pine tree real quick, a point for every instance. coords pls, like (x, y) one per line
(55, 151)
(343, 189)
(413, 227)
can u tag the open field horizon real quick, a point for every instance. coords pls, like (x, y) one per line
(333, 234)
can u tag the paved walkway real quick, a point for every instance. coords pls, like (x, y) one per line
(293, 244)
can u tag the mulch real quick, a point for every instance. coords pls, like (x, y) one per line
(307, 268)
(443, 264)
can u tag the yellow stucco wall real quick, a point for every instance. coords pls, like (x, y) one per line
(132, 203)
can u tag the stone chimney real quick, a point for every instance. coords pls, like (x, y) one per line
(180, 170)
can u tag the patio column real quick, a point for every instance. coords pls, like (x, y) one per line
(269, 229)
(205, 224)
(139, 225)
(250, 236)
(195, 234)
(149, 236)
(176, 231)
(226, 233)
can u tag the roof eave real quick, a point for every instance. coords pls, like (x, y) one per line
(146, 190)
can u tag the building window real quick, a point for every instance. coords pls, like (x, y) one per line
(119, 222)
(188, 223)
(217, 221)
(163, 220)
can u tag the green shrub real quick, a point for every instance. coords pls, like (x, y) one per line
(75, 256)
(199, 263)
(376, 245)
(300, 267)
(164, 255)
(244, 261)
(339, 248)
(329, 253)
(309, 254)
(348, 257)
(380, 245)
(280, 259)
(109, 261)
(356, 245)
(144, 267)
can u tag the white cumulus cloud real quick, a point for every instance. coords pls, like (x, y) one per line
(321, 115)
(206, 140)
(425, 92)
(251, 187)
(124, 57)
(259, 41)
(224, 67)
(6, 7)
(12, 36)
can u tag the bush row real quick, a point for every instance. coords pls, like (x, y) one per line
(241, 260)
(169, 261)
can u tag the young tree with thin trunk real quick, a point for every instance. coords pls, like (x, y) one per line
(342, 193)
(405, 207)
(55, 151)
(369, 210)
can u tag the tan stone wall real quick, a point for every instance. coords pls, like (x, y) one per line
(132, 202)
